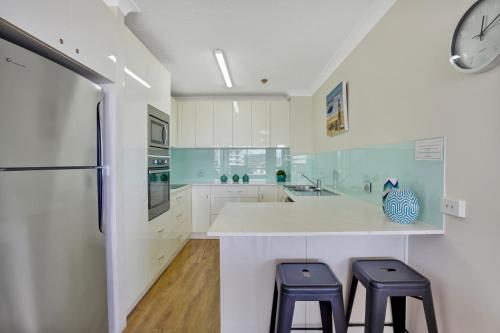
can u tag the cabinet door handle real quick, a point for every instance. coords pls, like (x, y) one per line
(161, 230)
(61, 41)
(178, 216)
(161, 257)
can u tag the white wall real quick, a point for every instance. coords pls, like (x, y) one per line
(301, 125)
(402, 87)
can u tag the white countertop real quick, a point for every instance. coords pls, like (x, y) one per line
(254, 182)
(172, 191)
(311, 216)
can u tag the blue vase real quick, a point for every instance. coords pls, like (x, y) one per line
(236, 178)
(389, 184)
(281, 179)
(246, 179)
(401, 206)
(223, 179)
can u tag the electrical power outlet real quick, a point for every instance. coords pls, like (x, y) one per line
(367, 187)
(453, 207)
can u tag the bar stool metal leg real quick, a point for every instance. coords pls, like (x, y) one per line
(286, 306)
(350, 301)
(376, 304)
(398, 309)
(430, 315)
(339, 314)
(272, 326)
(325, 308)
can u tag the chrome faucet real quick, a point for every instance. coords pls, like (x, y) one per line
(316, 183)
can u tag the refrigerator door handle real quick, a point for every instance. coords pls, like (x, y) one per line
(99, 169)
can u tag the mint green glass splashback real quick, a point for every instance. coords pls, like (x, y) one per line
(347, 170)
(204, 165)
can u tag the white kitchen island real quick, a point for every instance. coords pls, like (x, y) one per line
(254, 237)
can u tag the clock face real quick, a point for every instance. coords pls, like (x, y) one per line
(476, 42)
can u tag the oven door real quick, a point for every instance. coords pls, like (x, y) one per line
(158, 132)
(158, 191)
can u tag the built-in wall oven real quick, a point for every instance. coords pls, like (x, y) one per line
(158, 163)
(158, 185)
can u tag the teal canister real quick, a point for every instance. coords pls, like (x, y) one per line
(246, 178)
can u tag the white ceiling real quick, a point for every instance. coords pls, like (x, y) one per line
(296, 44)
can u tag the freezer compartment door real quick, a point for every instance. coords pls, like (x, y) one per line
(48, 114)
(52, 254)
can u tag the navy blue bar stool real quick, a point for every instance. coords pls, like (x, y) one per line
(394, 279)
(307, 282)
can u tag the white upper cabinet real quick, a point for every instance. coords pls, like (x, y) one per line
(261, 124)
(84, 30)
(234, 124)
(159, 80)
(223, 123)
(242, 124)
(280, 124)
(47, 20)
(204, 124)
(93, 31)
(186, 124)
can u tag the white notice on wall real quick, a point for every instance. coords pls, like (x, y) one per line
(429, 149)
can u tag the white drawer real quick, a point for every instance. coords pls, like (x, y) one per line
(235, 191)
(177, 199)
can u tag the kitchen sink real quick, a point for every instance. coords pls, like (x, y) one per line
(308, 190)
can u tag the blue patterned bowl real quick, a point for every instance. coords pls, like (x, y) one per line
(401, 206)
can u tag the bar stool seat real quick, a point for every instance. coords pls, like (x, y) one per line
(307, 282)
(394, 279)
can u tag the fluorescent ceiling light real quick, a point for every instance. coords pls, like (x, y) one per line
(235, 107)
(112, 57)
(223, 67)
(136, 77)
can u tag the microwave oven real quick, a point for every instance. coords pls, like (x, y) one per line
(158, 128)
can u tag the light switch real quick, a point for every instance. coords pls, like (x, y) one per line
(453, 207)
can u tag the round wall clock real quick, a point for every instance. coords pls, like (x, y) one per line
(476, 42)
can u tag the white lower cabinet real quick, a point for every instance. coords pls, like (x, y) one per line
(171, 230)
(268, 193)
(208, 201)
(201, 208)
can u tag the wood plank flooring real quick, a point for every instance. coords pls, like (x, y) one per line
(186, 298)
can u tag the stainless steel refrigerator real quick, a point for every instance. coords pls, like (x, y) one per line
(52, 249)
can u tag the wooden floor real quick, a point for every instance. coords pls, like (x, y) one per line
(186, 297)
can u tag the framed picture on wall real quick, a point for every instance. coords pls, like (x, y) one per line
(337, 121)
